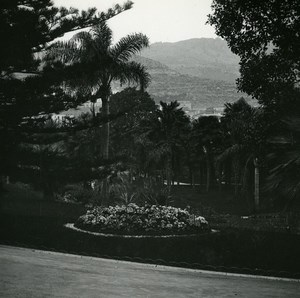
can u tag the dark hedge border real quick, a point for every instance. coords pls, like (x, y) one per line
(97, 229)
(249, 252)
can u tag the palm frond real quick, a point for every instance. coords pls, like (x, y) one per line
(88, 63)
(86, 47)
(129, 46)
(132, 72)
(285, 179)
(158, 153)
(293, 123)
(229, 153)
(64, 52)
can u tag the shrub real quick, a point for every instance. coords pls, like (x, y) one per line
(152, 192)
(149, 219)
(140, 190)
(122, 190)
(77, 193)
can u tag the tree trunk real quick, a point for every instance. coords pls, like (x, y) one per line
(202, 175)
(256, 185)
(208, 174)
(105, 147)
(208, 167)
(193, 180)
(106, 127)
(169, 173)
(191, 174)
(236, 169)
(227, 175)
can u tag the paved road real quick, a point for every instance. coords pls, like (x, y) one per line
(34, 273)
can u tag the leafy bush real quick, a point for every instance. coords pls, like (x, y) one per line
(153, 192)
(140, 190)
(122, 190)
(77, 193)
(132, 219)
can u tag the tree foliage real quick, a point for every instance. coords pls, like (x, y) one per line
(27, 94)
(89, 62)
(265, 35)
(128, 110)
(27, 26)
(161, 139)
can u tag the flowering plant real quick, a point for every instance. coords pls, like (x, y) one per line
(134, 219)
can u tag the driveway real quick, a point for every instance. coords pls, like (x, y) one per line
(36, 273)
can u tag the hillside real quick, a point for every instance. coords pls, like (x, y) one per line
(168, 84)
(200, 71)
(206, 58)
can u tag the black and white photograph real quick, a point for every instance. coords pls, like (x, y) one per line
(149, 148)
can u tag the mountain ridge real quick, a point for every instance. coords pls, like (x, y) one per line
(168, 84)
(202, 57)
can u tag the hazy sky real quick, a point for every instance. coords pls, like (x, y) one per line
(160, 20)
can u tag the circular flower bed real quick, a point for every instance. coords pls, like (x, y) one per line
(145, 220)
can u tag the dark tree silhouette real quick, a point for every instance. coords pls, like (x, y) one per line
(265, 35)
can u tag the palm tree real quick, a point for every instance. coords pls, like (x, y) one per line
(162, 136)
(172, 123)
(283, 180)
(89, 63)
(245, 128)
(206, 134)
(128, 109)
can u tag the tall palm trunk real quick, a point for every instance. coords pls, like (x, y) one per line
(169, 173)
(227, 174)
(236, 170)
(191, 174)
(105, 146)
(210, 174)
(106, 127)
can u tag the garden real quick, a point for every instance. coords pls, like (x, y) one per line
(29, 221)
(136, 178)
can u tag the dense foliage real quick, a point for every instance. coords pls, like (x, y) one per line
(132, 219)
(28, 25)
(247, 151)
(265, 35)
(27, 93)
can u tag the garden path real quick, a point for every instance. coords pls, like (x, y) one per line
(36, 273)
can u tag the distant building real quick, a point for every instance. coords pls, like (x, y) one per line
(210, 111)
(217, 112)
